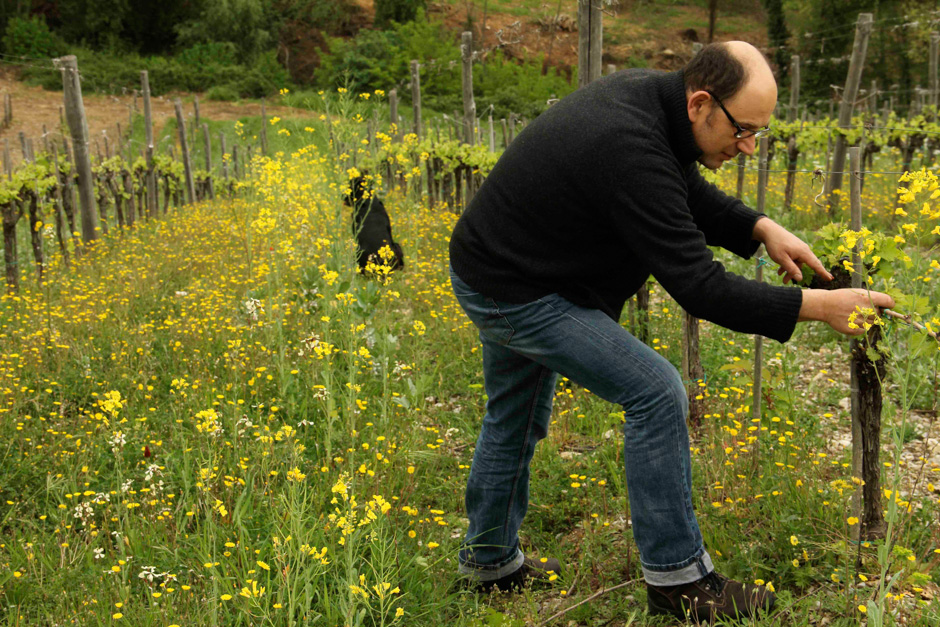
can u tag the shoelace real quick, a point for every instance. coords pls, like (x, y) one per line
(714, 581)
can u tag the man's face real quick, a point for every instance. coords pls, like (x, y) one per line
(713, 128)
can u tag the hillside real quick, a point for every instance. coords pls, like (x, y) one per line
(636, 34)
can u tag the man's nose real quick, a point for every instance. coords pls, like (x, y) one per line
(747, 145)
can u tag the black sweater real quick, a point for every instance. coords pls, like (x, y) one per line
(601, 191)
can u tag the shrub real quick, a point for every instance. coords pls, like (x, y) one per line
(215, 53)
(401, 11)
(381, 59)
(264, 78)
(225, 93)
(30, 37)
(106, 73)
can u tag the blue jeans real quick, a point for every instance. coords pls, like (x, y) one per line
(524, 346)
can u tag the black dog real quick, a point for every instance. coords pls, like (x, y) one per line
(371, 226)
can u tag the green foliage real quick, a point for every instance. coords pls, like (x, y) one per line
(897, 48)
(244, 24)
(516, 87)
(97, 23)
(30, 37)
(224, 93)
(332, 16)
(108, 73)
(380, 59)
(401, 11)
(777, 32)
(222, 53)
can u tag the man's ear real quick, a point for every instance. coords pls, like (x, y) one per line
(698, 104)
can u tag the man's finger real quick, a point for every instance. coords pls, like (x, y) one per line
(813, 262)
(792, 270)
(882, 300)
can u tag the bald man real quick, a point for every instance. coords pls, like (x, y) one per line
(597, 194)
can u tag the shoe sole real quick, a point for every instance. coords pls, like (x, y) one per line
(655, 610)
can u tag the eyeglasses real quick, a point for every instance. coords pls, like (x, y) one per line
(742, 133)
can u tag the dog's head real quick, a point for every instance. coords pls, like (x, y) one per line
(359, 189)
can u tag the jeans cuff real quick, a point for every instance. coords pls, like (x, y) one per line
(489, 573)
(693, 571)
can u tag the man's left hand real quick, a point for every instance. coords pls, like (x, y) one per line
(787, 250)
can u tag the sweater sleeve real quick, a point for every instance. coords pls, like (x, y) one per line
(724, 220)
(651, 215)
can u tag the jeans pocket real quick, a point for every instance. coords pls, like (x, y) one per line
(495, 325)
(485, 314)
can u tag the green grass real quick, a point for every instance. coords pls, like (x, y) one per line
(246, 353)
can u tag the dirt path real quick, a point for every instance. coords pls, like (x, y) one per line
(35, 108)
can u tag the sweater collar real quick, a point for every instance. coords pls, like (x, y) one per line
(679, 127)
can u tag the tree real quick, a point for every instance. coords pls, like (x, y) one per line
(400, 11)
(778, 34)
(712, 16)
(245, 24)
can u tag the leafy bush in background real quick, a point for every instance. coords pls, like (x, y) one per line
(248, 26)
(107, 73)
(218, 53)
(381, 59)
(224, 93)
(518, 88)
(30, 37)
(401, 11)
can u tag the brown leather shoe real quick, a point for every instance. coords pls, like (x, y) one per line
(712, 597)
(532, 568)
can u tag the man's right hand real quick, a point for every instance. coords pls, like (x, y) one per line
(835, 307)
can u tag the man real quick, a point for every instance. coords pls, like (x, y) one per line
(595, 195)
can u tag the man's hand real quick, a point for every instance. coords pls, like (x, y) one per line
(788, 250)
(835, 307)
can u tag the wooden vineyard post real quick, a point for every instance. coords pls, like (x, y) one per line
(492, 133)
(742, 170)
(846, 106)
(502, 122)
(416, 98)
(264, 129)
(24, 148)
(762, 176)
(35, 234)
(469, 106)
(642, 331)
(393, 120)
(866, 395)
(590, 41)
(78, 126)
(196, 120)
(794, 87)
(7, 161)
(793, 153)
(61, 228)
(932, 78)
(128, 184)
(151, 183)
(7, 110)
(692, 371)
(184, 146)
(224, 156)
(208, 150)
(235, 170)
(68, 195)
(12, 212)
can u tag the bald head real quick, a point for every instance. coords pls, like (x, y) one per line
(726, 68)
(730, 96)
(757, 72)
